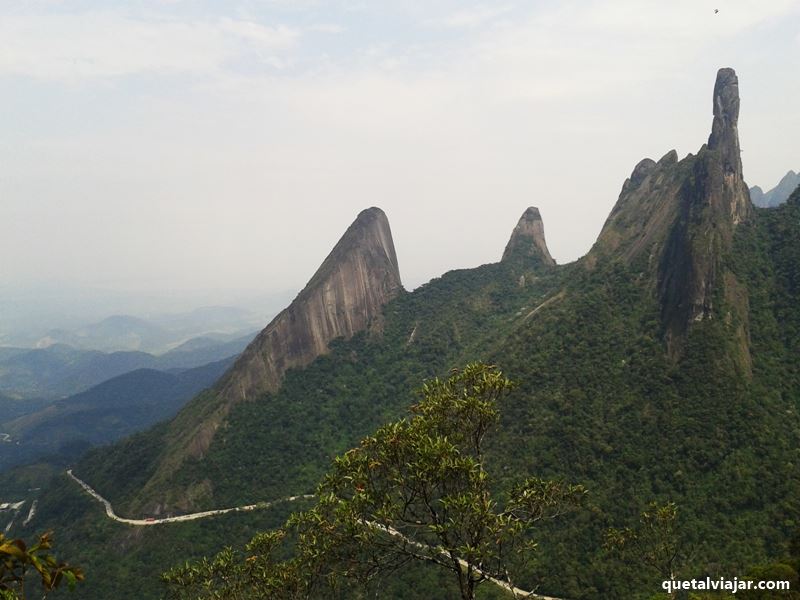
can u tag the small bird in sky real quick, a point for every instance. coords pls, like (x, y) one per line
(716, 10)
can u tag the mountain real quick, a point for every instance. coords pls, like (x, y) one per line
(345, 296)
(118, 332)
(207, 320)
(664, 365)
(11, 407)
(60, 370)
(777, 195)
(675, 220)
(527, 240)
(202, 350)
(157, 334)
(104, 413)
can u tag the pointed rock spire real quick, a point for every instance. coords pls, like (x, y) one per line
(725, 129)
(676, 220)
(714, 200)
(527, 240)
(346, 295)
(343, 297)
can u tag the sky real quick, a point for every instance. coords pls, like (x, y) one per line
(193, 151)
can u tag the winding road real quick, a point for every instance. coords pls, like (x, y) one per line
(515, 591)
(190, 517)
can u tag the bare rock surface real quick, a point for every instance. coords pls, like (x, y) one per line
(527, 240)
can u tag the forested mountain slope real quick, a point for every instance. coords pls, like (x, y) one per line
(104, 413)
(661, 366)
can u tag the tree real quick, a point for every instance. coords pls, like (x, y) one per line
(655, 542)
(417, 490)
(17, 560)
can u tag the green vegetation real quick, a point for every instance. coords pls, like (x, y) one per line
(18, 561)
(417, 490)
(63, 431)
(599, 401)
(655, 542)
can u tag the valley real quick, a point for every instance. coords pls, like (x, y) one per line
(661, 367)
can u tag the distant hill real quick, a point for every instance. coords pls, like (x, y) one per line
(209, 319)
(118, 332)
(104, 413)
(11, 408)
(777, 195)
(202, 350)
(61, 370)
(662, 366)
(155, 335)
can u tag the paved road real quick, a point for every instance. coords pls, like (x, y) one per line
(31, 513)
(190, 517)
(13, 508)
(515, 591)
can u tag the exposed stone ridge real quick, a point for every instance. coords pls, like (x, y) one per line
(724, 129)
(675, 219)
(343, 297)
(646, 209)
(346, 295)
(527, 240)
(714, 200)
(724, 140)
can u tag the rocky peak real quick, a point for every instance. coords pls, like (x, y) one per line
(675, 220)
(725, 129)
(346, 295)
(343, 297)
(527, 240)
(695, 283)
(724, 146)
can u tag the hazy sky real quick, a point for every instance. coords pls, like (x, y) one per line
(167, 146)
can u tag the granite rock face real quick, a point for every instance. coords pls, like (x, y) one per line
(725, 128)
(527, 241)
(715, 200)
(345, 296)
(676, 220)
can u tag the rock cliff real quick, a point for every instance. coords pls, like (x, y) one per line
(527, 241)
(344, 296)
(675, 219)
(714, 200)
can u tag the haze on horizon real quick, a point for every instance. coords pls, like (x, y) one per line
(166, 149)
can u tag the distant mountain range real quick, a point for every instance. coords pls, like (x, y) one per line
(157, 334)
(60, 370)
(102, 414)
(777, 195)
(664, 366)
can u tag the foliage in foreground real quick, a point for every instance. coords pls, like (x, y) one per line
(17, 560)
(416, 491)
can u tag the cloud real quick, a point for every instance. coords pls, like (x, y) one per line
(473, 17)
(467, 126)
(681, 18)
(105, 44)
(326, 28)
(264, 37)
